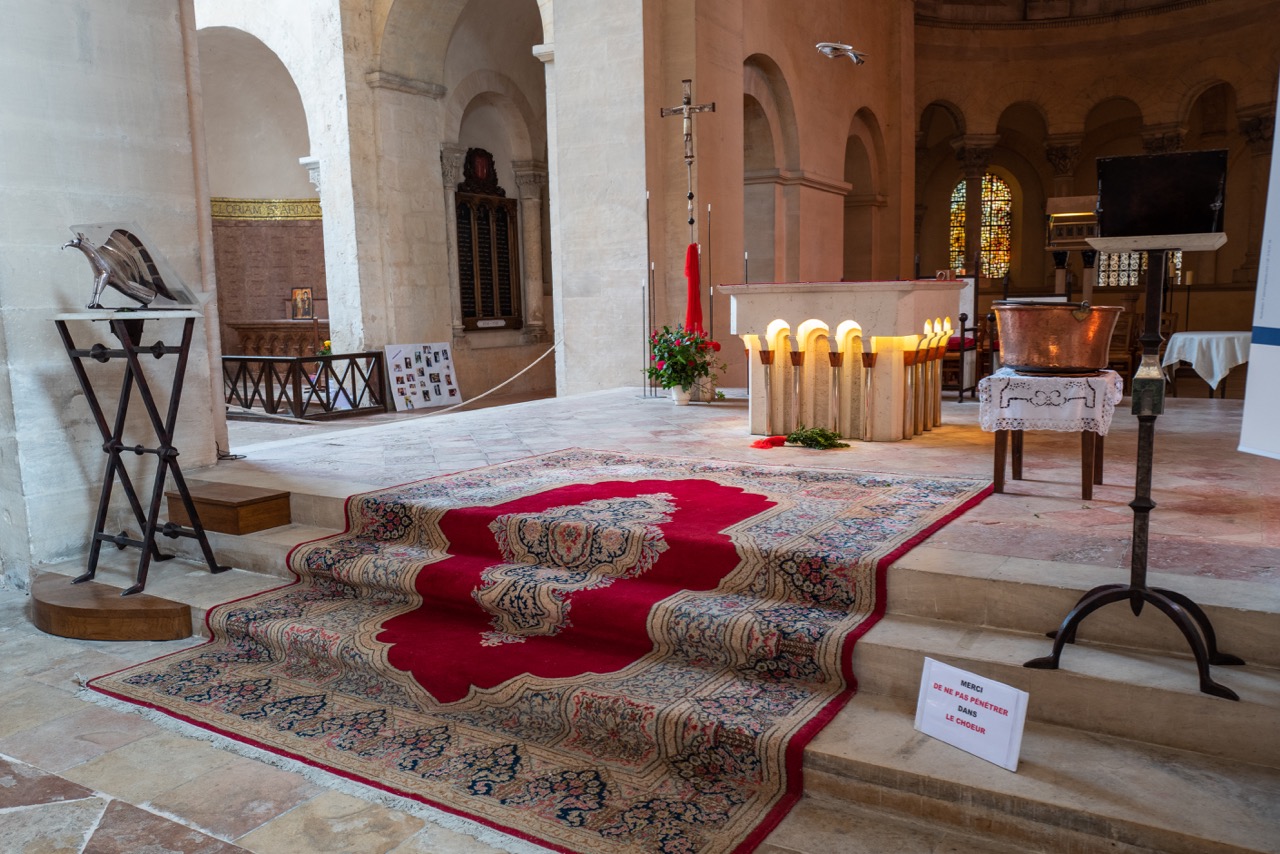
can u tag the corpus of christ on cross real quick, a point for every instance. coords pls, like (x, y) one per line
(686, 110)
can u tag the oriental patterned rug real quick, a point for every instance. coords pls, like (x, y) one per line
(598, 652)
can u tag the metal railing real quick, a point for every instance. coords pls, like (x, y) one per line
(313, 387)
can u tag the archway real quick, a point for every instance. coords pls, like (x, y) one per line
(863, 159)
(268, 238)
(771, 158)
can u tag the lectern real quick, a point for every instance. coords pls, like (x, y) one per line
(127, 326)
(1156, 203)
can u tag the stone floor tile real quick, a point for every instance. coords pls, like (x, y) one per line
(434, 839)
(75, 665)
(126, 829)
(333, 822)
(24, 785)
(234, 799)
(57, 828)
(75, 738)
(25, 704)
(149, 767)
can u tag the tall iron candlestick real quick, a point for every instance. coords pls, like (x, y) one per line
(1190, 618)
(711, 283)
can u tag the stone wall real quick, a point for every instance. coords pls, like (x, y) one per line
(94, 110)
(1042, 101)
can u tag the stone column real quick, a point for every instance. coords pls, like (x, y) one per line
(1063, 153)
(921, 210)
(312, 165)
(974, 153)
(451, 158)
(1258, 126)
(1090, 259)
(531, 177)
(1060, 271)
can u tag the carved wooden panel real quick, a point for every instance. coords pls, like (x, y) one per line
(277, 338)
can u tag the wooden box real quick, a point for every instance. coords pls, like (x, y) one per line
(229, 508)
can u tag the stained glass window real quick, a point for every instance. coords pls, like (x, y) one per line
(1128, 269)
(997, 227)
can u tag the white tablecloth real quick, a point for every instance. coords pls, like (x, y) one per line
(1212, 354)
(1008, 400)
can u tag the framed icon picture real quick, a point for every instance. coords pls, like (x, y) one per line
(301, 307)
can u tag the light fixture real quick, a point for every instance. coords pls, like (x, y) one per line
(833, 49)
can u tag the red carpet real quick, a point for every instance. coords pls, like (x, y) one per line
(598, 652)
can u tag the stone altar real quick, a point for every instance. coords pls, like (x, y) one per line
(860, 358)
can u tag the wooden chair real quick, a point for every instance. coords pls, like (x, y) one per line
(964, 348)
(1121, 355)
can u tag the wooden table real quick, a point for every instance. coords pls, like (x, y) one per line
(1010, 403)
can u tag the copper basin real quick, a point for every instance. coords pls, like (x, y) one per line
(1054, 337)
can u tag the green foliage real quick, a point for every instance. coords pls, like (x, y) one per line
(682, 357)
(815, 437)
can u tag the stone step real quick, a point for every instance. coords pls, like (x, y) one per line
(819, 825)
(1074, 791)
(1145, 696)
(177, 580)
(1034, 596)
(264, 552)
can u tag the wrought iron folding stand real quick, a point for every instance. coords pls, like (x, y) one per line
(127, 327)
(1190, 618)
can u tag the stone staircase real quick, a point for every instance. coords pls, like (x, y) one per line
(1121, 753)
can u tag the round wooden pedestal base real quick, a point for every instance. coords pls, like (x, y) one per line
(93, 611)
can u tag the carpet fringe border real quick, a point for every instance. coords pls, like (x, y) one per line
(333, 782)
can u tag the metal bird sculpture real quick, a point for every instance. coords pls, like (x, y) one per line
(123, 263)
(833, 49)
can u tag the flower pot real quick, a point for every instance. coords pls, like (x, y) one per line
(681, 396)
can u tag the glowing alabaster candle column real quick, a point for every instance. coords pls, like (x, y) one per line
(836, 359)
(868, 408)
(797, 368)
(766, 359)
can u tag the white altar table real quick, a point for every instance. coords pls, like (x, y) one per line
(862, 358)
(1211, 354)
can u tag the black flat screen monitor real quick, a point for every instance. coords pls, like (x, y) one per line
(1154, 194)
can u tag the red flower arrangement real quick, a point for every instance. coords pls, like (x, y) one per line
(682, 357)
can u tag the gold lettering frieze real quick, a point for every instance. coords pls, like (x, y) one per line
(265, 209)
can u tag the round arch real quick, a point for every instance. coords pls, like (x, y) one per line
(866, 201)
(255, 122)
(771, 150)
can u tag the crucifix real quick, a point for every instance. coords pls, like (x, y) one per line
(686, 110)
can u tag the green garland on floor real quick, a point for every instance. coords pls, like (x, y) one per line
(815, 437)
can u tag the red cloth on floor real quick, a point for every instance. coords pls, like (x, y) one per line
(693, 306)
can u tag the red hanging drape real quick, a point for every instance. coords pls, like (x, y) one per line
(693, 306)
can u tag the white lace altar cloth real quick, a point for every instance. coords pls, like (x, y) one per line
(1008, 400)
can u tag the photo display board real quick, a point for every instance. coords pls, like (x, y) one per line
(421, 376)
